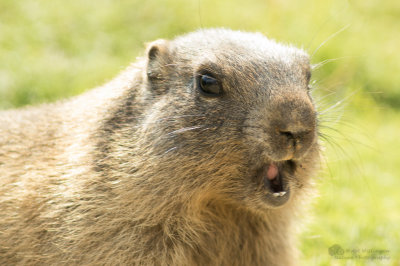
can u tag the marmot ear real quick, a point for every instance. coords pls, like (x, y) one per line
(157, 58)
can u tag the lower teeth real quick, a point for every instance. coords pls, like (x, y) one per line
(279, 194)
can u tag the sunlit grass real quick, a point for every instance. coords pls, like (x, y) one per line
(358, 203)
(55, 49)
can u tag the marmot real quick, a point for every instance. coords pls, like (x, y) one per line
(200, 153)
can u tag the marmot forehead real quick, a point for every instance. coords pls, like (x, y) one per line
(247, 45)
(242, 54)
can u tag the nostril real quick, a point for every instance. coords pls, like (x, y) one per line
(287, 134)
(293, 141)
(297, 136)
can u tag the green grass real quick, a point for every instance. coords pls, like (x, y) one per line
(358, 201)
(55, 49)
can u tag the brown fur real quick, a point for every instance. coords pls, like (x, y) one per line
(147, 171)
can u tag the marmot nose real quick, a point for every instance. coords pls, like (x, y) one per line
(296, 139)
(290, 124)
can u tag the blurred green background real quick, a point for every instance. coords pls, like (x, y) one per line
(55, 49)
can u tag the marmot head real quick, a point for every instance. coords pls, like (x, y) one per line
(229, 116)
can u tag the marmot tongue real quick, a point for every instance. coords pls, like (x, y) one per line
(272, 171)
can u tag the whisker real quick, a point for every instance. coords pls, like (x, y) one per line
(329, 38)
(338, 103)
(326, 61)
(167, 65)
(317, 32)
(183, 130)
(171, 149)
(177, 116)
(318, 100)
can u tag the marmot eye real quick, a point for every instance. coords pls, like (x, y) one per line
(209, 86)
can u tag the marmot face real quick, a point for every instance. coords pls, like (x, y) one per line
(243, 124)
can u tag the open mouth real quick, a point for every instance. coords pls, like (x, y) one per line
(275, 183)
